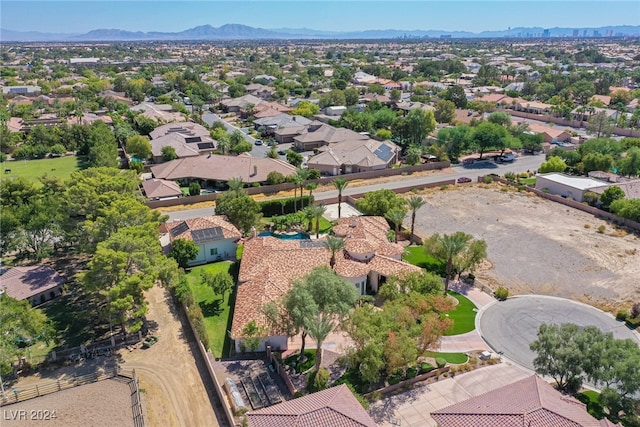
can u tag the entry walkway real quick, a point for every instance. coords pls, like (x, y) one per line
(471, 340)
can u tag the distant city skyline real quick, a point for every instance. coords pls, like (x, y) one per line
(55, 16)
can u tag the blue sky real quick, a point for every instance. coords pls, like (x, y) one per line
(176, 15)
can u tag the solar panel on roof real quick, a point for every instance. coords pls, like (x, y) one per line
(205, 146)
(193, 139)
(179, 229)
(384, 152)
(207, 235)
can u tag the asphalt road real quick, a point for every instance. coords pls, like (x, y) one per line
(521, 164)
(510, 326)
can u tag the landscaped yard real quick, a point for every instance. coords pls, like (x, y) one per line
(454, 358)
(33, 169)
(325, 224)
(416, 255)
(217, 313)
(463, 316)
(528, 181)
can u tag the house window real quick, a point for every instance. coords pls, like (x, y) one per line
(213, 251)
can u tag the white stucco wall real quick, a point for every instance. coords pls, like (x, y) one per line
(277, 343)
(359, 282)
(226, 250)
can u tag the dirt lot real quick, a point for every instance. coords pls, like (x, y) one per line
(173, 391)
(103, 404)
(538, 246)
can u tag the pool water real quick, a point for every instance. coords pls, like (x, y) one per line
(296, 236)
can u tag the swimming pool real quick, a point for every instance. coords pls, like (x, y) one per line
(285, 236)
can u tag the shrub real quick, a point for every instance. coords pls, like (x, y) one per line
(274, 207)
(601, 229)
(394, 379)
(635, 310)
(444, 187)
(587, 226)
(440, 362)
(411, 372)
(317, 380)
(487, 179)
(510, 176)
(622, 315)
(194, 189)
(426, 367)
(501, 293)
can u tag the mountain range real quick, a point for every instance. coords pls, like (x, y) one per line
(244, 32)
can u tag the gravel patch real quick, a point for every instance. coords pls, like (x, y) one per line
(538, 246)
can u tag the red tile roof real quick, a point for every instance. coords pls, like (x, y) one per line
(333, 407)
(229, 231)
(528, 402)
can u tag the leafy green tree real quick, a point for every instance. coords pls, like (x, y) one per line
(455, 140)
(395, 95)
(20, 324)
(416, 125)
(220, 282)
(306, 109)
(413, 155)
(334, 98)
(241, 210)
(599, 125)
(415, 203)
(340, 184)
(487, 136)
(445, 111)
(103, 149)
(275, 177)
(629, 165)
(597, 162)
(294, 158)
(138, 146)
(558, 355)
(456, 95)
(554, 164)
(379, 202)
(424, 283)
(351, 96)
(627, 208)
(272, 153)
(610, 195)
(194, 189)
(501, 118)
(169, 153)
(184, 251)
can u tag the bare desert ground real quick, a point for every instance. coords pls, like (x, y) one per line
(538, 246)
(102, 404)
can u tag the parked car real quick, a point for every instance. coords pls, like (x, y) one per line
(272, 143)
(258, 142)
(463, 179)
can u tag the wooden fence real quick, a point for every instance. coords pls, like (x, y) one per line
(42, 389)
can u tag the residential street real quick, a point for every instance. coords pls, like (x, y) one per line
(522, 164)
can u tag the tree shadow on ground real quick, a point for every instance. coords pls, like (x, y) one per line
(211, 308)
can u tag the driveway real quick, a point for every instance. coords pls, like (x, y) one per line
(413, 408)
(510, 326)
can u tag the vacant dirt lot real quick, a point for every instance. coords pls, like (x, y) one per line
(103, 404)
(538, 246)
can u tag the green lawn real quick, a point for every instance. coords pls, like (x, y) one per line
(454, 358)
(415, 255)
(463, 316)
(33, 169)
(590, 398)
(528, 181)
(217, 313)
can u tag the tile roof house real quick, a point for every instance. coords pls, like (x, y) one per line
(270, 266)
(161, 189)
(353, 156)
(187, 139)
(216, 237)
(528, 402)
(317, 134)
(161, 113)
(335, 407)
(38, 283)
(234, 105)
(219, 169)
(280, 121)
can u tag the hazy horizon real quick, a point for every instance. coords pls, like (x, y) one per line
(475, 16)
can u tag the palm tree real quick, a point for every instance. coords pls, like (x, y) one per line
(309, 215)
(334, 244)
(450, 247)
(302, 175)
(415, 203)
(318, 212)
(396, 216)
(340, 184)
(311, 186)
(236, 185)
(319, 327)
(295, 180)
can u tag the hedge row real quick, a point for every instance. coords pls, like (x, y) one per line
(275, 207)
(184, 294)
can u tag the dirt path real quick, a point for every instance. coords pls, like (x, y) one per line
(174, 392)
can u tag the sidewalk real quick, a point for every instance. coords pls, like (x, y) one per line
(471, 340)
